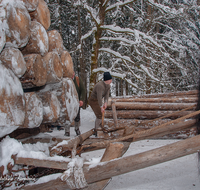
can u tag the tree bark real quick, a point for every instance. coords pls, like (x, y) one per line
(145, 114)
(33, 110)
(38, 42)
(31, 5)
(36, 73)
(41, 14)
(51, 107)
(12, 107)
(13, 59)
(67, 64)
(18, 20)
(54, 67)
(55, 41)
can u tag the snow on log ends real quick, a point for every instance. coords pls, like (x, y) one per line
(31, 5)
(12, 104)
(38, 42)
(42, 14)
(55, 41)
(17, 23)
(13, 58)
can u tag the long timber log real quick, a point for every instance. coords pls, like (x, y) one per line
(151, 106)
(166, 95)
(177, 99)
(127, 164)
(145, 114)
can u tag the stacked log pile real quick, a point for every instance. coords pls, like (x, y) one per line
(35, 81)
(147, 111)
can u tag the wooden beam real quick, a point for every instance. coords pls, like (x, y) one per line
(127, 164)
(152, 106)
(114, 114)
(45, 163)
(145, 114)
(71, 144)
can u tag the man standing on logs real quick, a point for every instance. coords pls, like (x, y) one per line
(101, 90)
(81, 95)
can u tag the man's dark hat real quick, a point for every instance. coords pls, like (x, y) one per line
(107, 76)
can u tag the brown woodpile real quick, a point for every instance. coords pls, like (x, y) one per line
(147, 111)
(35, 70)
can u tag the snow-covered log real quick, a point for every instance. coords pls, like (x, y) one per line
(17, 23)
(41, 14)
(68, 98)
(67, 63)
(55, 41)
(54, 67)
(12, 104)
(33, 110)
(38, 42)
(31, 5)
(13, 59)
(36, 73)
(51, 107)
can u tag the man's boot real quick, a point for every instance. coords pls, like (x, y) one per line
(67, 130)
(77, 128)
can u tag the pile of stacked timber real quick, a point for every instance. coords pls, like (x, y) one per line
(35, 70)
(147, 111)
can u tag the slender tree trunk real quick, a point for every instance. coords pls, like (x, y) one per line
(96, 46)
(82, 63)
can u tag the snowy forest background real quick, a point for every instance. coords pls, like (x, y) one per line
(149, 46)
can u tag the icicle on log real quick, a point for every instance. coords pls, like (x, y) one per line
(38, 42)
(33, 110)
(54, 67)
(31, 5)
(12, 107)
(51, 107)
(41, 14)
(13, 59)
(68, 98)
(67, 64)
(127, 164)
(36, 73)
(55, 41)
(18, 21)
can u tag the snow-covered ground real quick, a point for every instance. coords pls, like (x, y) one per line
(178, 174)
